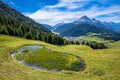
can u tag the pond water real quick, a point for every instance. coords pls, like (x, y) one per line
(32, 48)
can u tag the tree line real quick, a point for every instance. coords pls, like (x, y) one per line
(94, 44)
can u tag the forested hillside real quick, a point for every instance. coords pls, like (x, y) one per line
(11, 13)
(15, 24)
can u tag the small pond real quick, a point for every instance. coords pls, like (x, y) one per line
(42, 58)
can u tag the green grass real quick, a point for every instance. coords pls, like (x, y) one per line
(114, 45)
(108, 43)
(100, 64)
(92, 38)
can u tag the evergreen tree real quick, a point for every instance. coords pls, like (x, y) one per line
(87, 43)
(11, 30)
(3, 30)
(94, 45)
(40, 37)
(83, 42)
(77, 42)
(37, 35)
(46, 38)
(101, 46)
(20, 32)
(50, 39)
(29, 35)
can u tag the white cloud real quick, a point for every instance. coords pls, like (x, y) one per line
(75, 0)
(110, 19)
(69, 4)
(52, 15)
(10, 2)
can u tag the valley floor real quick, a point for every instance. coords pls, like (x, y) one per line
(100, 64)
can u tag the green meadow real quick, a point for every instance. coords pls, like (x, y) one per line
(101, 64)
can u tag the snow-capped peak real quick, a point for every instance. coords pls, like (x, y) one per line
(83, 19)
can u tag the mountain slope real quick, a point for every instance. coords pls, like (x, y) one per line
(63, 27)
(48, 26)
(57, 25)
(112, 25)
(12, 13)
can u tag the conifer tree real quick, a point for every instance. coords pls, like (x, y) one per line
(3, 30)
(29, 35)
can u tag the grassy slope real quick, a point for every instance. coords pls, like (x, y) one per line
(108, 43)
(92, 38)
(100, 64)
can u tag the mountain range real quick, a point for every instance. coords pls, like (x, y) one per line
(84, 25)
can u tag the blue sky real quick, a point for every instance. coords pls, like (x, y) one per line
(56, 11)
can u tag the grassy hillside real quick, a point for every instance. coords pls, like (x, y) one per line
(100, 64)
(109, 43)
(92, 37)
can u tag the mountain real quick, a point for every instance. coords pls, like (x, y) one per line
(48, 26)
(12, 13)
(57, 25)
(63, 27)
(85, 25)
(112, 25)
(83, 19)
